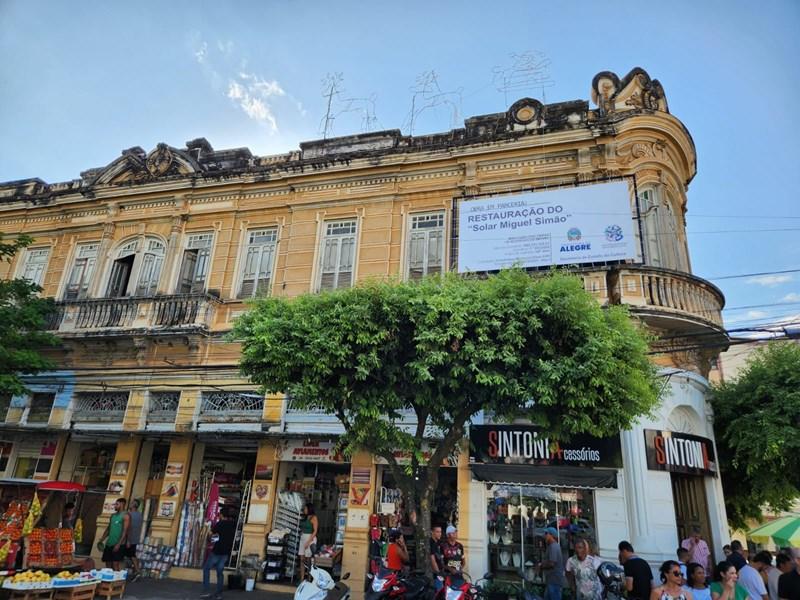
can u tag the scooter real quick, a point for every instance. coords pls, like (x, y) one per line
(458, 586)
(385, 583)
(319, 585)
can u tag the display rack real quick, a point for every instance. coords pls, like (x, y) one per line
(276, 552)
(288, 513)
(341, 518)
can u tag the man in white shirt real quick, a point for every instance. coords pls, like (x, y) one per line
(750, 579)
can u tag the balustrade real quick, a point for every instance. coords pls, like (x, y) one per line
(118, 314)
(99, 406)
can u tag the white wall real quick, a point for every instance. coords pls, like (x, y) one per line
(648, 494)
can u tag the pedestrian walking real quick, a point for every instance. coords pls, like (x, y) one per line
(581, 571)
(724, 586)
(134, 537)
(750, 579)
(553, 566)
(789, 583)
(222, 533)
(696, 582)
(698, 548)
(671, 587)
(638, 576)
(737, 556)
(783, 564)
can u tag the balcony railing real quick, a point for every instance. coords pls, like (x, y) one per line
(93, 407)
(670, 292)
(163, 407)
(157, 313)
(232, 406)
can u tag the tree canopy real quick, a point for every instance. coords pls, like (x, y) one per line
(22, 320)
(445, 349)
(757, 426)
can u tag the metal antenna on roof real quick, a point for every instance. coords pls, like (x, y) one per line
(363, 106)
(528, 71)
(332, 90)
(426, 94)
(331, 87)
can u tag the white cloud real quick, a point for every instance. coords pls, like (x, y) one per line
(749, 316)
(792, 297)
(201, 53)
(235, 90)
(251, 93)
(770, 280)
(256, 96)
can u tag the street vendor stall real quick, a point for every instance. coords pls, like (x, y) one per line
(39, 519)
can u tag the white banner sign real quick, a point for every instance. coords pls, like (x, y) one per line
(567, 226)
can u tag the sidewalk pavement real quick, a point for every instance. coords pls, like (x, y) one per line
(174, 589)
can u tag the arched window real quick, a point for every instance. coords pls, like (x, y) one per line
(136, 268)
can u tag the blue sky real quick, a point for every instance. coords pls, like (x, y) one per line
(80, 81)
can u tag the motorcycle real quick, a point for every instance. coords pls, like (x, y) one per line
(319, 585)
(612, 577)
(388, 584)
(459, 586)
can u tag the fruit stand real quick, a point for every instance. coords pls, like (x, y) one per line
(38, 585)
(22, 524)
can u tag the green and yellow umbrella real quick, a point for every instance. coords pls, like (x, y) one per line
(784, 531)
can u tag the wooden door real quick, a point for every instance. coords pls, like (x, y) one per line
(691, 507)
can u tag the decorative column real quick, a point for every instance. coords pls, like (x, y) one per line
(120, 484)
(635, 461)
(96, 288)
(165, 521)
(262, 500)
(359, 507)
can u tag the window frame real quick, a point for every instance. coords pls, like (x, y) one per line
(249, 244)
(410, 234)
(328, 236)
(25, 264)
(203, 255)
(90, 266)
(140, 248)
(39, 411)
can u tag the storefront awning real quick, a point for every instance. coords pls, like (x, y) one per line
(546, 476)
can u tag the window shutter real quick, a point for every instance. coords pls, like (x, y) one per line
(187, 271)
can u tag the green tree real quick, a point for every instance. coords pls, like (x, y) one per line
(445, 349)
(23, 316)
(757, 426)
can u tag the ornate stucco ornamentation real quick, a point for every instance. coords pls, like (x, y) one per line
(159, 160)
(635, 91)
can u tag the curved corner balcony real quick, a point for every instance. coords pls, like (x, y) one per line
(671, 300)
(180, 313)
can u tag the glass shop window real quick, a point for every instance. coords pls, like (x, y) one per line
(517, 517)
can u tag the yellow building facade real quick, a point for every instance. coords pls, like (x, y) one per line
(152, 257)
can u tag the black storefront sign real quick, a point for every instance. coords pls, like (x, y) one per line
(679, 453)
(530, 445)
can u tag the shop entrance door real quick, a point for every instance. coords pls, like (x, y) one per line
(691, 506)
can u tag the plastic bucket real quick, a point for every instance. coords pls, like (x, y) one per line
(249, 584)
